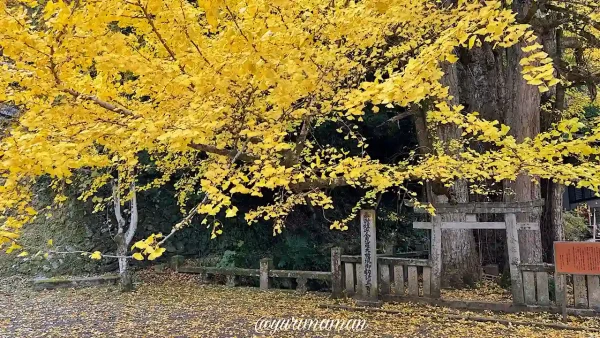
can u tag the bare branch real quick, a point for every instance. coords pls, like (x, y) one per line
(398, 117)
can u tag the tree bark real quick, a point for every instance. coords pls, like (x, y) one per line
(125, 236)
(460, 261)
(552, 220)
(523, 117)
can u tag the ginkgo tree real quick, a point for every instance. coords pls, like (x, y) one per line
(231, 92)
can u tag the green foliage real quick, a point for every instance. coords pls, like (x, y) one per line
(228, 260)
(299, 253)
(575, 226)
(69, 229)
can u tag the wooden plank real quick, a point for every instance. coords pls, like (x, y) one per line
(351, 259)
(561, 289)
(358, 279)
(403, 261)
(593, 291)
(426, 281)
(320, 275)
(541, 267)
(384, 274)
(529, 287)
(476, 225)
(533, 226)
(336, 272)
(580, 291)
(387, 259)
(265, 265)
(514, 258)
(436, 256)
(219, 271)
(349, 274)
(486, 207)
(399, 280)
(541, 282)
(413, 281)
(462, 225)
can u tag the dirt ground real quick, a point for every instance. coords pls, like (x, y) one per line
(178, 306)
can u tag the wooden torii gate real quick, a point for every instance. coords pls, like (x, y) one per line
(470, 210)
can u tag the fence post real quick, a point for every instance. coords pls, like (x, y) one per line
(514, 258)
(336, 272)
(436, 256)
(265, 265)
(176, 262)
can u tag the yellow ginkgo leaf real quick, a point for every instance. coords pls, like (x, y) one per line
(156, 253)
(96, 255)
(231, 212)
(50, 242)
(138, 256)
(23, 254)
(14, 246)
(140, 245)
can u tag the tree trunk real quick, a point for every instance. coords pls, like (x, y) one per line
(552, 220)
(126, 282)
(460, 261)
(552, 217)
(523, 117)
(124, 238)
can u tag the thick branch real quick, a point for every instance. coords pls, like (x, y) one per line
(101, 103)
(224, 152)
(319, 183)
(580, 76)
(133, 222)
(571, 42)
(398, 117)
(117, 205)
(575, 15)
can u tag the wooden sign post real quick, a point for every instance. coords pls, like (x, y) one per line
(575, 258)
(369, 293)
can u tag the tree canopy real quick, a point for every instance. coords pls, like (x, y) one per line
(230, 92)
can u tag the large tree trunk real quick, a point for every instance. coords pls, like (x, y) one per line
(523, 117)
(552, 220)
(460, 261)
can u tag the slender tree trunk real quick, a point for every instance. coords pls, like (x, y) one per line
(125, 236)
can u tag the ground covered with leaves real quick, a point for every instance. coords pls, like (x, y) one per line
(171, 305)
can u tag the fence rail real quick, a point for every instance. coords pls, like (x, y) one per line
(397, 276)
(265, 273)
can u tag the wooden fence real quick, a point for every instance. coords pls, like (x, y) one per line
(583, 290)
(265, 273)
(397, 276)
